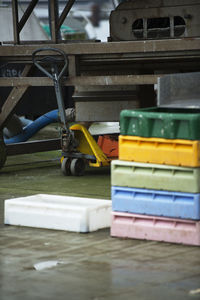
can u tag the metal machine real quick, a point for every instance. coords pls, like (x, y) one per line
(146, 19)
(147, 39)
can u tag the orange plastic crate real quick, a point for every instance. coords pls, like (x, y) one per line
(109, 146)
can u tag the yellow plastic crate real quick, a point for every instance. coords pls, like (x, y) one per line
(160, 151)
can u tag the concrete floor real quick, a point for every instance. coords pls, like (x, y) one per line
(89, 266)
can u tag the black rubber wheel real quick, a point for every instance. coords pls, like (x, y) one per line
(65, 166)
(2, 152)
(77, 167)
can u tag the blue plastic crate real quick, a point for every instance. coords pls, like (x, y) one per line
(155, 202)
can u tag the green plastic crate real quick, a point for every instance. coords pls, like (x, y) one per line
(160, 122)
(155, 176)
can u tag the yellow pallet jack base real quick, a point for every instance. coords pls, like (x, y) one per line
(88, 145)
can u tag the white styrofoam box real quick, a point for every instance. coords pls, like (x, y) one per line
(58, 212)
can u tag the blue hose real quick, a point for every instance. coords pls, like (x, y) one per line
(35, 126)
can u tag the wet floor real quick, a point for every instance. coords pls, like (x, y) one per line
(84, 266)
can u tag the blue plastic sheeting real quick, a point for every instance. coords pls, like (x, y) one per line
(34, 127)
(154, 202)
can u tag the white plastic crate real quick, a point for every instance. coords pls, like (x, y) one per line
(58, 212)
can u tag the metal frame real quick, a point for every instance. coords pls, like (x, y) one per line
(94, 63)
(55, 20)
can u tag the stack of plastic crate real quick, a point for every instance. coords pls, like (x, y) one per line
(156, 181)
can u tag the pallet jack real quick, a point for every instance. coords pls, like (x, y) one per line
(78, 146)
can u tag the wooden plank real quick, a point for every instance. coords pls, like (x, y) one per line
(72, 65)
(81, 80)
(10, 104)
(33, 147)
(15, 21)
(13, 99)
(53, 11)
(65, 12)
(27, 14)
(82, 48)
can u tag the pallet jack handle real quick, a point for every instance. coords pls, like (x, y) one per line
(55, 75)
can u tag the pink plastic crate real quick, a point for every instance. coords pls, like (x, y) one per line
(155, 228)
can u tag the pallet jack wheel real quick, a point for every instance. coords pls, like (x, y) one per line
(65, 166)
(77, 166)
(2, 152)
